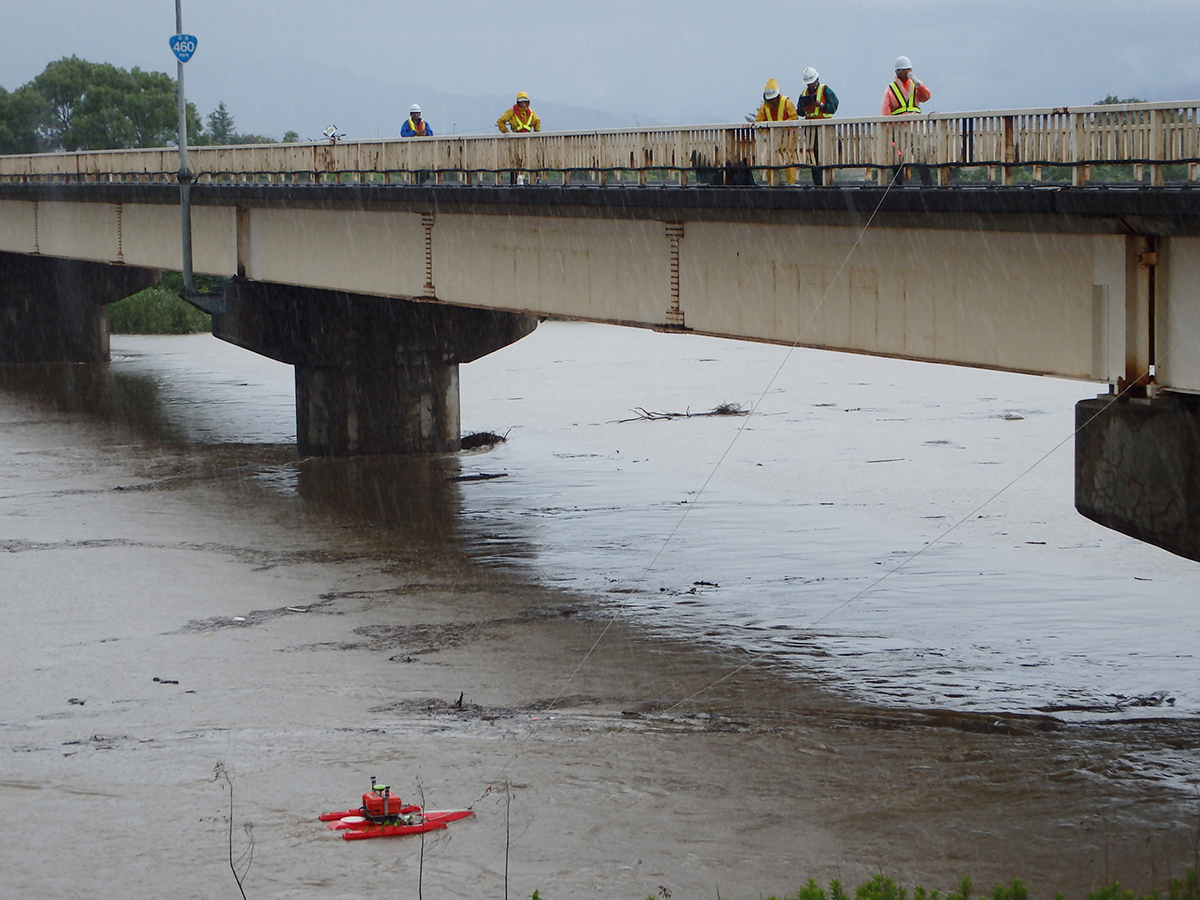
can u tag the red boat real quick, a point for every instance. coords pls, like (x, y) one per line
(382, 815)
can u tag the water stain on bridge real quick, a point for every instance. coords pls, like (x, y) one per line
(701, 713)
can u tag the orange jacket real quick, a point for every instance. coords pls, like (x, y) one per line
(890, 103)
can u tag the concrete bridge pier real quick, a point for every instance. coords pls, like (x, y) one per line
(1137, 468)
(361, 411)
(54, 310)
(374, 375)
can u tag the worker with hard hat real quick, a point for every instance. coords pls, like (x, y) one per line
(520, 119)
(776, 107)
(903, 98)
(906, 92)
(817, 102)
(415, 126)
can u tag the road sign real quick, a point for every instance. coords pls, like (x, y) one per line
(183, 46)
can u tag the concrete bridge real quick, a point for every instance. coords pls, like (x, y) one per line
(376, 268)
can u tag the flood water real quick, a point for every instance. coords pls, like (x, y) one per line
(771, 640)
(904, 531)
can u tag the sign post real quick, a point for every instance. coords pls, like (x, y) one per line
(183, 46)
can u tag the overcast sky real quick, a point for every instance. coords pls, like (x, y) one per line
(301, 64)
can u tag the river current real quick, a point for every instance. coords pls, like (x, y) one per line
(903, 532)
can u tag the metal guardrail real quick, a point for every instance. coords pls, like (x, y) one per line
(1161, 140)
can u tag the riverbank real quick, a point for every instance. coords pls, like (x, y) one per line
(166, 610)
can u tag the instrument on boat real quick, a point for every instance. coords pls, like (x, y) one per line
(384, 815)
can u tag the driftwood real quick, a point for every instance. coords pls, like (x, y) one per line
(725, 409)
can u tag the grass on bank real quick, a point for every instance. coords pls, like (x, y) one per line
(158, 310)
(883, 888)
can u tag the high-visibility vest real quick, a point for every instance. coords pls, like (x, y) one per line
(418, 129)
(907, 104)
(814, 111)
(780, 107)
(517, 124)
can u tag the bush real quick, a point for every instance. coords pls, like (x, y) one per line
(157, 310)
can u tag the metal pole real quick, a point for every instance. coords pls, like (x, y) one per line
(185, 175)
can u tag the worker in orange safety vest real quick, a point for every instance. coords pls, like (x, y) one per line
(903, 98)
(905, 93)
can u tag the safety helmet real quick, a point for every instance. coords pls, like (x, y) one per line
(414, 110)
(771, 91)
(902, 62)
(521, 95)
(810, 75)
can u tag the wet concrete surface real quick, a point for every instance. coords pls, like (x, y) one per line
(166, 607)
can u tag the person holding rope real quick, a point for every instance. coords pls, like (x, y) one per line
(903, 98)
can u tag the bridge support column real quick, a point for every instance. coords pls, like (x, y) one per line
(344, 411)
(53, 310)
(1137, 468)
(374, 375)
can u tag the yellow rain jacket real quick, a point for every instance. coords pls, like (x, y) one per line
(783, 111)
(518, 122)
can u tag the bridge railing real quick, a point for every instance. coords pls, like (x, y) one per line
(1155, 142)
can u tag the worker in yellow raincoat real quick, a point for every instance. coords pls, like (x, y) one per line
(520, 119)
(778, 108)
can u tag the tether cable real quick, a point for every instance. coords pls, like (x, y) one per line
(963, 520)
(678, 524)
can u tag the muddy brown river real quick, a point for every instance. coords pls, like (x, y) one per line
(178, 591)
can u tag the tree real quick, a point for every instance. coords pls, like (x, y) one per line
(291, 137)
(220, 125)
(1113, 98)
(98, 106)
(221, 130)
(18, 117)
(79, 105)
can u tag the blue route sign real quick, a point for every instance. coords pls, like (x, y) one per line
(183, 46)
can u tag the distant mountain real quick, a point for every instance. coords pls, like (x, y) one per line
(307, 99)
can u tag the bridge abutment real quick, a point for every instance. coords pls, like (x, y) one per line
(374, 375)
(1137, 468)
(54, 310)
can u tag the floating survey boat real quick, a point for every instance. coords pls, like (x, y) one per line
(384, 815)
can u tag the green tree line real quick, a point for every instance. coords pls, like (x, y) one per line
(75, 104)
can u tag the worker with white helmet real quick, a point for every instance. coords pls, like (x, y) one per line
(415, 126)
(521, 119)
(776, 107)
(817, 102)
(903, 98)
(905, 93)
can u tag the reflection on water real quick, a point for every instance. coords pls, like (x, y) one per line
(850, 467)
(412, 498)
(122, 399)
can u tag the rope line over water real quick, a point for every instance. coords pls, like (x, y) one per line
(640, 579)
